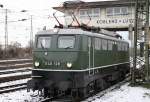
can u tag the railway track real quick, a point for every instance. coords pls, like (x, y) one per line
(13, 64)
(16, 69)
(10, 88)
(13, 71)
(15, 61)
(9, 71)
(14, 76)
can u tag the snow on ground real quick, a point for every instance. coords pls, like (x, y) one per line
(124, 94)
(19, 96)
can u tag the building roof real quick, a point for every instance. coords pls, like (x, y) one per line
(73, 4)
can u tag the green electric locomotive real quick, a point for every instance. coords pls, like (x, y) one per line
(77, 62)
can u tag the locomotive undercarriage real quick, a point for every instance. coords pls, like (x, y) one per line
(77, 85)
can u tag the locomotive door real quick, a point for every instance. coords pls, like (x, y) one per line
(91, 55)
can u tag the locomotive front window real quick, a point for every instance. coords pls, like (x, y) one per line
(66, 41)
(44, 42)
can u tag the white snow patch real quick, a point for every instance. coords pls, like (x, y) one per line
(126, 94)
(20, 96)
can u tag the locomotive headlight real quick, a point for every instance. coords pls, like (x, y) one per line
(69, 65)
(36, 63)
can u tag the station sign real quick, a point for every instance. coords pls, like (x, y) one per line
(113, 22)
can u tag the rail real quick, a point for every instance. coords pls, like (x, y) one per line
(13, 64)
(16, 76)
(15, 61)
(10, 88)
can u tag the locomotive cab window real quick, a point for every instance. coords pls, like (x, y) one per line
(66, 41)
(44, 42)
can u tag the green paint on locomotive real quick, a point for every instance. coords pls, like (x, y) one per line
(57, 58)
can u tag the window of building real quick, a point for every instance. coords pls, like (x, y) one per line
(97, 43)
(113, 11)
(109, 11)
(94, 12)
(104, 44)
(83, 13)
(117, 11)
(124, 10)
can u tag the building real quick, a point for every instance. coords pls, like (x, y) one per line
(111, 15)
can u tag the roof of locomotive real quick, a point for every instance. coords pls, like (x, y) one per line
(73, 31)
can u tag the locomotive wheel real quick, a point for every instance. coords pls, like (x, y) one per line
(122, 76)
(49, 92)
(46, 92)
(90, 89)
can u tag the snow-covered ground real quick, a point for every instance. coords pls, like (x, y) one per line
(19, 96)
(124, 94)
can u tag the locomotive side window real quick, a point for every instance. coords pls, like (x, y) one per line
(110, 45)
(122, 46)
(104, 44)
(119, 46)
(126, 47)
(44, 42)
(97, 43)
(66, 41)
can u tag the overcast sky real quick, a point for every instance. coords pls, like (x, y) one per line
(20, 31)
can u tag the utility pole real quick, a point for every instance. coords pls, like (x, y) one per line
(6, 33)
(147, 39)
(31, 34)
(135, 45)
